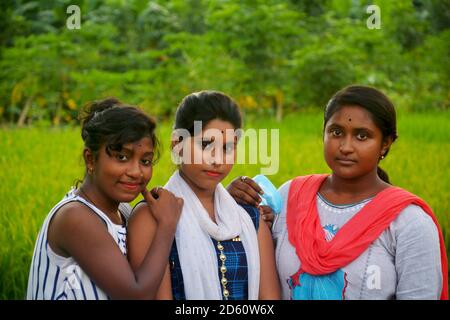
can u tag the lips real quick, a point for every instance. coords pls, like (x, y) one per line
(213, 174)
(130, 186)
(345, 161)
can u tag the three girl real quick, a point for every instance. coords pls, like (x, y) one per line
(345, 235)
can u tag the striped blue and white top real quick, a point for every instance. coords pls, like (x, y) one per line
(53, 277)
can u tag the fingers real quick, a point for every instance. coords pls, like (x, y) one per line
(245, 190)
(267, 215)
(243, 197)
(266, 210)
(152, 195)
(157, 192)
(148, 197)
(252, 184)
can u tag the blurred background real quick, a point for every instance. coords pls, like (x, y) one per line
(280, 60)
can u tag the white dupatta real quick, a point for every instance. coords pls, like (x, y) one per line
(196, 250)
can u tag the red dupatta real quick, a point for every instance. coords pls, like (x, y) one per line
(319, 256)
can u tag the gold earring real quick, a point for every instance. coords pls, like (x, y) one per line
(90, 171)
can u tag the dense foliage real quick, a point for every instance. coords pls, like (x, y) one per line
(270, 55)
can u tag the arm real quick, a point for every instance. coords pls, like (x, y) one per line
(417, 256)
(141, 232)
(269, 288)
(79, 233)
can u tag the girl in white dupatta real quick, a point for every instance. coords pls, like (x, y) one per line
(221, 250)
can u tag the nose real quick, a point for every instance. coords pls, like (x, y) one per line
(134, 170)
(214, 158)
(346, 145)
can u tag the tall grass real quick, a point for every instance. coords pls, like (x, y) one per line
(37, 167)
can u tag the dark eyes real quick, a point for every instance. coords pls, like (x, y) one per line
(122, 157)
(227, 148)
(338, 133)
(125, 158)
(147, 162)
(206, 144)
(361, 136)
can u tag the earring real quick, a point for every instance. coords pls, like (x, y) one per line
(176, 159)
(382, 157)
(90, 171)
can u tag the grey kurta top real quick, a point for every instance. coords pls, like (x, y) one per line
(403, 263)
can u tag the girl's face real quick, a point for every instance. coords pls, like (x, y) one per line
(353, 144)
(122, 175)
(218, 154)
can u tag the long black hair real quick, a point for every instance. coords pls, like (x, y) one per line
(376, 103)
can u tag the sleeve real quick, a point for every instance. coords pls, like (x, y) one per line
(279, 224)
(253, 213)
(417, 256)
(125, 209)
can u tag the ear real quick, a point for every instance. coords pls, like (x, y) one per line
(387, 142)
(89, 159)
(174, 144)
(236, 141)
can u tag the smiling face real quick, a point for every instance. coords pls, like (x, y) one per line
(218, 152)
(122, 175)
(353, 144)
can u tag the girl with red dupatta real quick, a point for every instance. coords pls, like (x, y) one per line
(351, 234)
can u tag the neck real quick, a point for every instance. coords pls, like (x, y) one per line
(201, 193)
(206, 196)
(361, 187)
(91, 193)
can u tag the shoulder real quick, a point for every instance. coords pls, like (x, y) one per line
(71, 223)
(75, 215)
(284, 189)
(413, 221)
(280, 220)
(253, 212)
(141, 218)
(413, 215)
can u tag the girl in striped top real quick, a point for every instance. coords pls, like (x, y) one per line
(80, 252)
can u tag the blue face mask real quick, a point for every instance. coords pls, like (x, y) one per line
(271, 196)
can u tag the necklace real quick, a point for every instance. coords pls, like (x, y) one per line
(223, 270)
(92, 202)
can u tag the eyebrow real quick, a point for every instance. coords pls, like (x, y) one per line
(334, 124)
(131, 150)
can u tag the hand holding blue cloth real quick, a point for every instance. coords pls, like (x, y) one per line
(271, 196)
